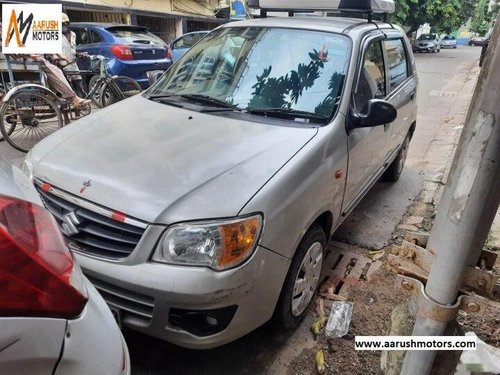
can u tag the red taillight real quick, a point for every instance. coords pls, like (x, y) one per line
(169, 53)
(38, 275)
(122, 52)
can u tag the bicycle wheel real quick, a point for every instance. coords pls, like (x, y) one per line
(10, 126)
(32, 116)
(118, 89)
(95, 92)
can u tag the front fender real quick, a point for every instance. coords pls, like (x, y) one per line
(30, 87)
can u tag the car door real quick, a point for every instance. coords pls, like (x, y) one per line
(181, 45)
(402, 85)
(367, 146)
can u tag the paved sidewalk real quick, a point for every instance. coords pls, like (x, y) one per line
(439, 156)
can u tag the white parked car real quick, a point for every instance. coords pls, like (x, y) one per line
(52, 320)
(449, 41)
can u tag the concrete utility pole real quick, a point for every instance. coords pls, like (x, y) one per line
(470, 201)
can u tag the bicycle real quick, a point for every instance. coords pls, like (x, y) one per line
(31, 111)
(105, 89)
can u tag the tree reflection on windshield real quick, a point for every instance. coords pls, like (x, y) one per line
(261, 68)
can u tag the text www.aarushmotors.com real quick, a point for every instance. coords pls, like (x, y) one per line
(415, 343)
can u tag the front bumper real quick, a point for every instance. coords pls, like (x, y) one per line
(144, 294)
(425, 48)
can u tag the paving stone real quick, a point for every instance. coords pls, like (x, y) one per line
(431, 185)
(494, 237)
(428, 196)
(409, 228)
(414, 220)
(421, 209)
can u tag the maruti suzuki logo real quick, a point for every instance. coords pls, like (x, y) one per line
(18, 26)
(69, 224)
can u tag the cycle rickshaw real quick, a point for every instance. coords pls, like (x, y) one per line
(31, 110)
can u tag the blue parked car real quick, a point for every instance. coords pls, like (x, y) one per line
(183, 43)
(132, 50)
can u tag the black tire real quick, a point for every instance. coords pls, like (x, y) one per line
(284, 317)
(10, 125)
(128, 86)
(394, 171)
(96, 97)
(32, 116)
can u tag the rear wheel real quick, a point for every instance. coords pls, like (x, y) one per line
(28, 117)
(302, 279)
(393, 173)
(121, 88)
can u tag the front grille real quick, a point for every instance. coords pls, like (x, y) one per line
(132, 305)
(97, 234)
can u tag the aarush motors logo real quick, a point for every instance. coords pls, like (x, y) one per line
(32, 28)
(18, 25)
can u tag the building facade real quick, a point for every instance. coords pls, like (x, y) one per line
(165, 18)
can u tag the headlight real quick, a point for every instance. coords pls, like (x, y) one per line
(216, 244)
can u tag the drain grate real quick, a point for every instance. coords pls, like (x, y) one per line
(346, 268)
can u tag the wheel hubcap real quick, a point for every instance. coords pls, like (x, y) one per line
(307, 278)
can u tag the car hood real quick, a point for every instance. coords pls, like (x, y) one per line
(163, 164)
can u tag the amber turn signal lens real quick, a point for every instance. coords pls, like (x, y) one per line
(238, 240)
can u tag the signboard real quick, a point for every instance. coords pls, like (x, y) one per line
(31, 28)
(238, 9)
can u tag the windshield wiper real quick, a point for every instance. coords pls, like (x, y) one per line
(204, 99)
(287, 113)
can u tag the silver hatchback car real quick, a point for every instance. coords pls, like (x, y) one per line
(203, 207)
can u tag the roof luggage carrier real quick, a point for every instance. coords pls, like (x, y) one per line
(366, 7)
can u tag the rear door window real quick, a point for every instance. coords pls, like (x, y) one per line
(82, 36)
(132, 35)
(397, 62)
(95, 37)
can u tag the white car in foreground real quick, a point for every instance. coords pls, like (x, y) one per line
(52, 320)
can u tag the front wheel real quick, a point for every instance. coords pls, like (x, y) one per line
(28, 117)
(302, 279)
(117, 89)
(393, 173)
(94, 92)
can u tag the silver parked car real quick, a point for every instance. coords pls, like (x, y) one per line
(203, 208)
(449, 41)
(427, 43)
(52, 320)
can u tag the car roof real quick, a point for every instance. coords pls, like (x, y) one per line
(343, 25)
(106, 25)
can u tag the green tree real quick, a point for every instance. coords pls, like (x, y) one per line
(443, 15)
(481, 20)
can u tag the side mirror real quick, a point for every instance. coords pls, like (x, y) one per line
(376, 112)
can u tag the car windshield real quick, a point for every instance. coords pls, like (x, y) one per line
(448, 37)
(133, 35)
(427, 37)
(254, 68)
